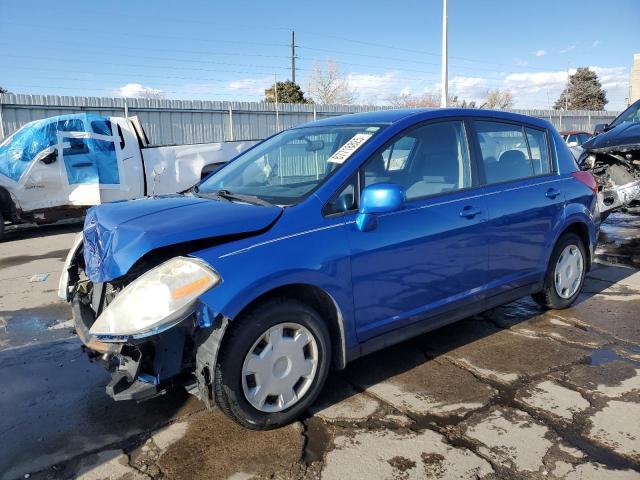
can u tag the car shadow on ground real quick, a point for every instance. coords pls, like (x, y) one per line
(480, 332)
(27, 231)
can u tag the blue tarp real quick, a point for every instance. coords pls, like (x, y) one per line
(86, 160)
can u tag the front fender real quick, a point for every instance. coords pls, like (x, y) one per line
(318, 257)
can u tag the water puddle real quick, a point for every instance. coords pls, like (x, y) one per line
(34, 325)
(618, 242)
(318, 441)
(602, 356)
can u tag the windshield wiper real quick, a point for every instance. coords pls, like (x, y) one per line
(243, 198)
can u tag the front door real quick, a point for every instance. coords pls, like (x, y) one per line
(431, 256)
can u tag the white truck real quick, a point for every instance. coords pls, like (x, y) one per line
(57, 167)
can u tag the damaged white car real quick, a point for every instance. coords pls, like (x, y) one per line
(55, 168)
(613, 157)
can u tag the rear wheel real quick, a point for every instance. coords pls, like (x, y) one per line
(1, 227)
(274, 362)
(565, 273)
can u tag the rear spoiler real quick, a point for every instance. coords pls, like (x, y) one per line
(143, 141)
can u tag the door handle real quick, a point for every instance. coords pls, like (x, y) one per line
(469, 212)
(82, 164)
(552, 193)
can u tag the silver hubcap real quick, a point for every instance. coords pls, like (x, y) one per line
(280, 367)
(568, 272)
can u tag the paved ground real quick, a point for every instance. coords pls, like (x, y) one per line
(513, 393)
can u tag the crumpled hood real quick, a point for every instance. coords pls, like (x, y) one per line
(117, 234)
(625, 134)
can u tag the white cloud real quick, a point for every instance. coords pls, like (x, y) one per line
(468, 88)
(541, 89)
(568, 49)
(374, 87)
(540, 53)
(252, 86)
(612, 77)
(136, 90)
(535, 81)
(596, 43)
(521, 63)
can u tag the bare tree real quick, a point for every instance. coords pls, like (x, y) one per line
(407, 100)
(499, 99)
(426, 100)
(328, 84)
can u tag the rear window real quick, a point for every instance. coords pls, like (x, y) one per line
(510, 154)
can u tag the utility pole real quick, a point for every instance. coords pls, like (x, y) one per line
(293, 56)
(566, 92)
(444, 80)
(275, 90)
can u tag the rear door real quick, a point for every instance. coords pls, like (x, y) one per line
(431, 256)
(524, 200)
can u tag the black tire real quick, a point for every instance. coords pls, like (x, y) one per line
(1, 227)
(243, 332)
(549, 297)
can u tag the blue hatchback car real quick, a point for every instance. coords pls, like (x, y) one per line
(324, 243)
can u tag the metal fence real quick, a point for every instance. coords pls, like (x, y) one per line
(198, 121)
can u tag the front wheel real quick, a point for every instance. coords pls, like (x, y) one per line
(565, 274)
(274, 362)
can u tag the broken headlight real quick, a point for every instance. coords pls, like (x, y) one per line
(156, 300)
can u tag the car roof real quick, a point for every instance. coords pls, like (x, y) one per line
(395, 115)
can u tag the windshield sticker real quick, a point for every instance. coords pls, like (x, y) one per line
(345, 151)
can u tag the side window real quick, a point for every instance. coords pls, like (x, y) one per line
(539, 151)
(396, 156)
(505, 155)
(75, 145)
(343, 201)
(102, 127)
(429, 160)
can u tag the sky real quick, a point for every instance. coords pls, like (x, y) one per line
(231, 50)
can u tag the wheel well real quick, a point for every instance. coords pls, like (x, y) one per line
(582, 231)
(7, 207)
(323, 303)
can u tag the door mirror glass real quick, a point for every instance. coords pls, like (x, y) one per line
(376, 199)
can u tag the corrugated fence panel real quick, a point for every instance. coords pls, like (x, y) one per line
(170, 122)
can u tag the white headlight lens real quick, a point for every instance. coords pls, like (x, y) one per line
(157, 299)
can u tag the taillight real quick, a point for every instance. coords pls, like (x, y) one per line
(586, 178)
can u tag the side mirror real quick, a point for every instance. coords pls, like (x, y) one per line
(50, 157)
(376, 199)
(599, 128)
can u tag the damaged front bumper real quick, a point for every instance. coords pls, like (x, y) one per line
(145, 366)
(143, 369)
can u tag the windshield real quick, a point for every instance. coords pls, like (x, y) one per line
(286, 168)
(17, 151)
(631, 114)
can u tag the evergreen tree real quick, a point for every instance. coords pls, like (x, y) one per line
(288, 92)
(583, 92)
